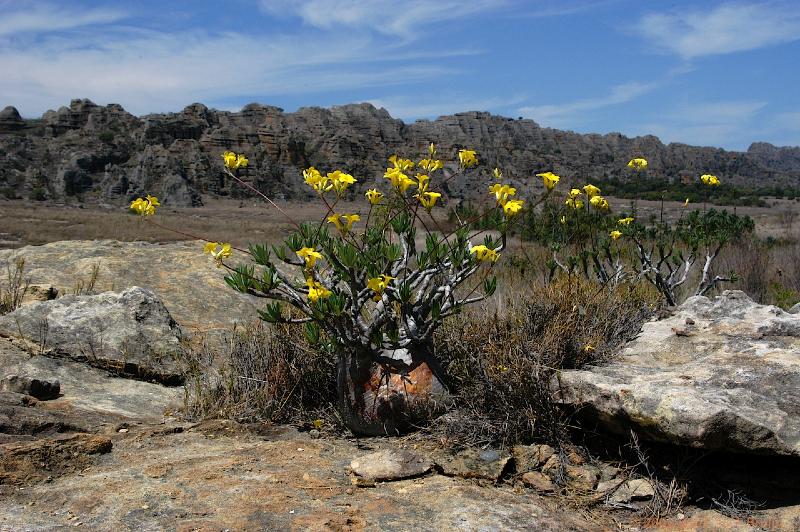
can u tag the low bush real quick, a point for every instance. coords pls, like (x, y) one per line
(264, 372)
(504, 363)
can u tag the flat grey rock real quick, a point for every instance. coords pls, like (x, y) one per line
(130, 333)
(720, 374)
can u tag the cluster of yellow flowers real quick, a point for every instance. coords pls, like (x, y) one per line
(310, 255)
(145, 207)
(467, 158)
(593, 193)
(337, 181)
(316, 290)
(217, 251)
(637, 163)
(503, 194)
(234, 161)
(710, 180)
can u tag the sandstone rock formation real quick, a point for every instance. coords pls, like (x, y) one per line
(720, 374)
(190, 286)
(128, 333)
(103, 153)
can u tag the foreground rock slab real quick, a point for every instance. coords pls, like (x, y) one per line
(130, 333)
(88, 396)
(189, 481)
(719, 374)
(191, 287)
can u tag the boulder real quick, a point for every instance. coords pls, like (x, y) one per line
(720, 374)
(391, 465)
(129, 333)
(474, 463)
(531, 457)
(620, 492)
(38, 388)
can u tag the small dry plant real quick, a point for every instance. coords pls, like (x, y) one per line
(16, 286)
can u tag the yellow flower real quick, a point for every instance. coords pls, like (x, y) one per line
(497, 173)
(399, 180)
(422, 182)
(550, 179)
(374, 196)
(428, 199)
(512, 207)
(234, 161)
(574, 193)
(637, 163)
(349, 220)
(625, 221)
(378, 285)
(484, 254)
(467, 158)
(591, 191)
(229, 159)
(401, 164)
(431, 149)
(588, 348)
(310, 255)
(615, 234)
(574, 203)
(145, 207)
(431, 165)
(316, 291)
(318, 423)
(340, 181)
(710, 180)
(686, 203)
(599, 203)
(316, 180)
(502, 192)
(218, 251)
(563, 219)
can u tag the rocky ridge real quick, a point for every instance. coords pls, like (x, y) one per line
(103, 153)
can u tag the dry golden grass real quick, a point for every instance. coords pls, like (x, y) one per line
(238, 222)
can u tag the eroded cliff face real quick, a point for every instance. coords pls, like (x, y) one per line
(105, 154)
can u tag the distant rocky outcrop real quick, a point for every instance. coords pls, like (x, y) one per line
(103, 153)
(720, 374)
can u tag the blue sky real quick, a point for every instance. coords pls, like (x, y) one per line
(716, 73)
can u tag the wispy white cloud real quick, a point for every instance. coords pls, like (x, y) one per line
(401, 18)
(149, 70)
(31, 17)
(727, 28)
(567, 115)
(733, 124)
